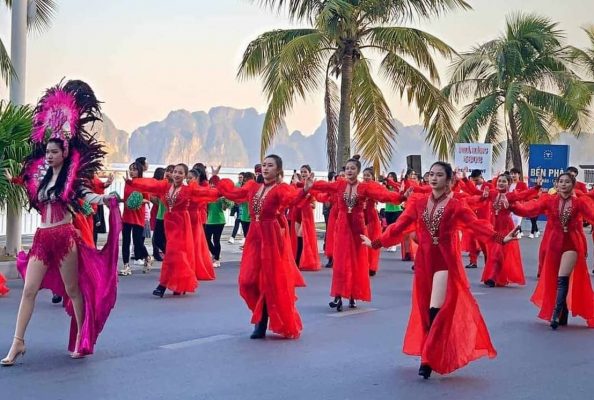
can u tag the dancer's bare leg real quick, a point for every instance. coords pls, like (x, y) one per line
(439, 289)
(36, 270)
(69, 272)
(568, 260)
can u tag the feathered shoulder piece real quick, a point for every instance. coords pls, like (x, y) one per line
(65, 112)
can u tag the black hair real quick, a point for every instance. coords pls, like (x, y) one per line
(331, 176)
(200, 172)
(184, 166)
(392, 175)
(506, 176)
(371, 171)
(447, 168)
(58, 188)
(514, 170)
(170, 168)
(260, 178)
(306, 166)
(141, 161)
(476, 173)
(355, 160)
(278, 161)
(571, 177)
(573, 169)
(138, 167)
(247, 176)
(159, 173)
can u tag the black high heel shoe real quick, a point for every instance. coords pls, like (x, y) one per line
(425, 371)
(159, 291)
(337, 303)
(352, 303)
(260, 327)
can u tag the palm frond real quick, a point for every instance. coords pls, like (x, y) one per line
(533, 125)
(264, 48)
(412, 43)
(374, 129)
(6, 69)
(476, 116)
(381, 11)
(433, 106)
(296, 9)
(495, 136)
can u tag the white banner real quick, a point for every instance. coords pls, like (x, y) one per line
(469, 156)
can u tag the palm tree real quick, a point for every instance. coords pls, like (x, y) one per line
(15, 132)
(295, 62)
(39, 19)
(521, 88)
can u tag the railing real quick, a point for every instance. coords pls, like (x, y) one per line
(31, 220)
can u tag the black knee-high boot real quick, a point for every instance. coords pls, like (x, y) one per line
(260, 327)
(561, 304)
(425, 369)
(299, 250)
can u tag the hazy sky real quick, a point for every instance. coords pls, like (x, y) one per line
(145, 58)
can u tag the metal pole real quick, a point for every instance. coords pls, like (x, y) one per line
(18, 56)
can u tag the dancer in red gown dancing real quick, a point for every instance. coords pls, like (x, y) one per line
(564, 285)
(178, 272)
(268, 274)
(350, 275)
(445, 327)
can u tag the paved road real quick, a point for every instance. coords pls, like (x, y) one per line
(197, 347)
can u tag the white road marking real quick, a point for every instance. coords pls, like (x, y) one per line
(196, 342)
(346, 312)
(478, 293)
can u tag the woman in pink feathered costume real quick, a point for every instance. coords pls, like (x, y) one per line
(57, 176)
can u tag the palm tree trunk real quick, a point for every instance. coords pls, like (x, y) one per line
(344, 117)
(515, 144)
(18, 55)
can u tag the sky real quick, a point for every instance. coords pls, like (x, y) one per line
(145, 58)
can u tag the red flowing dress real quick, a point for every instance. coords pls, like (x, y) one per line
(310, 257)
(350, 271)
(566, 232)
(178, 272)
(458, 334)
(331, 227)
(374, 229)
(268, 274)
(506, 267)
(203, 265)
(3, 288)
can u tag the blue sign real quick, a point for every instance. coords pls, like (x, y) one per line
(549, 161)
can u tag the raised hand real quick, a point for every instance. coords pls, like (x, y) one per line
(110, 179)
(8, 175)
(486, 192)
(309, 182)
(215, 171)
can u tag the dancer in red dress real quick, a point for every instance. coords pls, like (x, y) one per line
(203, 265)
(350, 275)
(445, 327)
(178, 272)
(564, 285)
(268, 274)
(372, 222)
(303, 229)
(506, 267)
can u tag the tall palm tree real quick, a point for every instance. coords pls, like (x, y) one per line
(521, 87)
(39, 19)
(15, 132)
(295, 62)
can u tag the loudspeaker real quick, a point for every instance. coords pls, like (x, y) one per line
(414, 162)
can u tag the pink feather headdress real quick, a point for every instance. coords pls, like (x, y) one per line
(56, 117)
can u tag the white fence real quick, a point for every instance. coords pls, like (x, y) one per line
(30, 220)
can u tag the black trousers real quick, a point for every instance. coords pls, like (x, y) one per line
(392, 216)
(136, 232)
(213, 238)
(534, 228)
(236, 228)
(159, 241)
(245, 226)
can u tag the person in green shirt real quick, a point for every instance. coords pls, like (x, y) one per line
(392, 211)
(215, 223)
(158, 240)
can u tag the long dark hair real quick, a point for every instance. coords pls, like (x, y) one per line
(279, 165)
(138, 167)
(449, 171)
(58, 188)
(159, 173)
